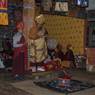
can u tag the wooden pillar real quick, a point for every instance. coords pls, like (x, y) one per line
(28, 18)
(28, 15)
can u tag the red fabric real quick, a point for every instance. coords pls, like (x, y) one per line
(20, 59)
(49, 66)
(52, 65)
(67, 77)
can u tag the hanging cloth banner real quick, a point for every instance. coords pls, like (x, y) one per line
(3, 4)
(3, 12)
(3, 19)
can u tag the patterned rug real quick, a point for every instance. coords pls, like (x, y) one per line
(74, 86)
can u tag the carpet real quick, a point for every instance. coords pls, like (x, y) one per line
(74, 86)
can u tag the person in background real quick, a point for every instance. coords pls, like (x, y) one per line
(69, 55)
(20, 52)
(51, 46)
(59, 53)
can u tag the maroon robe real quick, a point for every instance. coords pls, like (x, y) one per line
(20, 58)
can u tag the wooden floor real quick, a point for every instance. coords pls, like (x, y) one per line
(82, 75)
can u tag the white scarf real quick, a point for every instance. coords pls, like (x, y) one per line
(16, 39)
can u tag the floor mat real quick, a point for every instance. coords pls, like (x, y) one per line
(74, 86)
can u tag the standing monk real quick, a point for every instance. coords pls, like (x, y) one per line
(20, 52)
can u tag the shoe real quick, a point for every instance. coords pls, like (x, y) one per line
(17, 77)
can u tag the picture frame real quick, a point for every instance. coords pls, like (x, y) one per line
(46, 6)
(61, 6)
(54, 7)
(82, 3)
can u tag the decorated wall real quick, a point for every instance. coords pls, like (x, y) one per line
(67, 30)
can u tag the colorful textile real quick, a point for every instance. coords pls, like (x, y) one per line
(38, 50)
